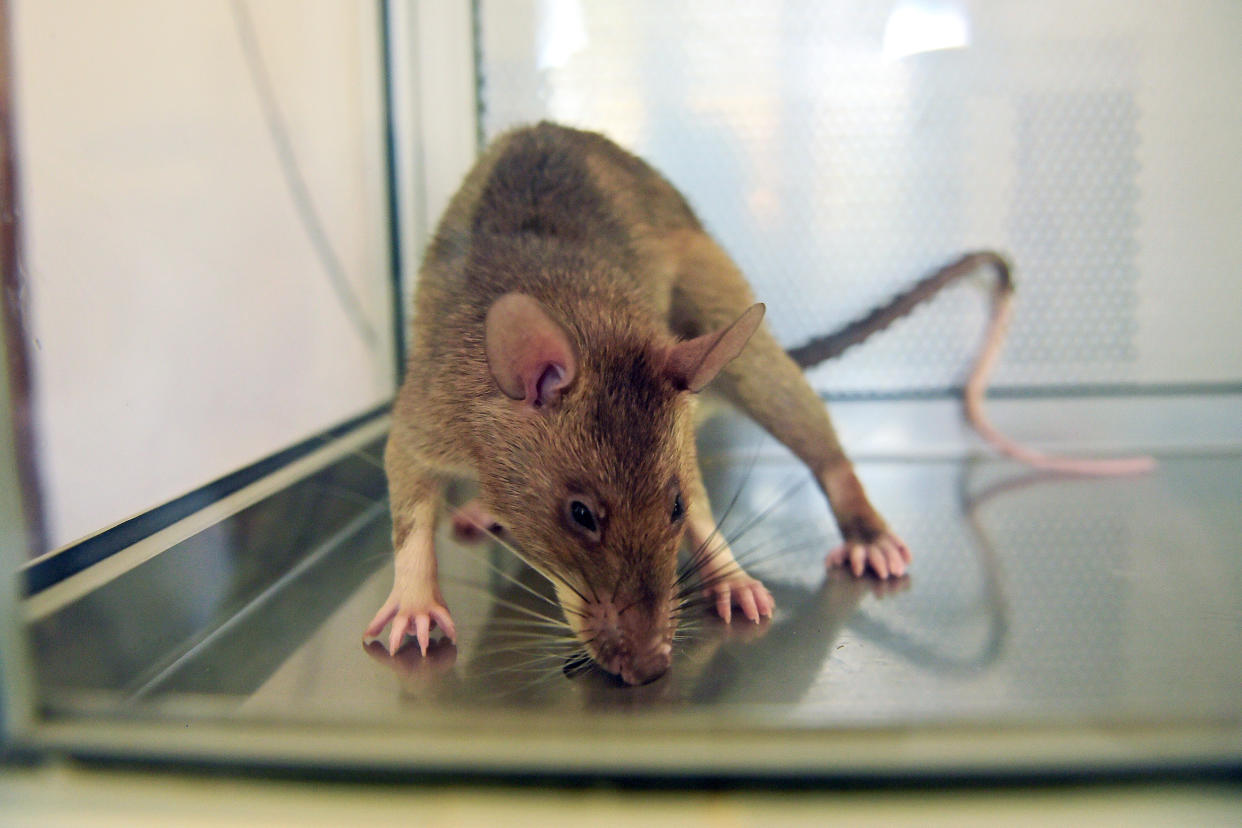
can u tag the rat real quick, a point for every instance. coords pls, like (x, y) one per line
(569, 308)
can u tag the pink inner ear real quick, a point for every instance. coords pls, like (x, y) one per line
(695, 363)
(548, 388)
(528, 353)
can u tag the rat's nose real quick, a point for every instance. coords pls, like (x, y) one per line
(647, 667)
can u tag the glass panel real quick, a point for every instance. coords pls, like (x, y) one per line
(204, 232)
(838, 150)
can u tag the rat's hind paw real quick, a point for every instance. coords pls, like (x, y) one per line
(412, 620)
(472, 522)
(747, 593)
(886, 555)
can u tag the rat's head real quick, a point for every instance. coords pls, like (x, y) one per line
(593, 468)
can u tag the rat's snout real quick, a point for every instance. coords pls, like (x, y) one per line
(644, 667)
(635, 644)
(635, 660)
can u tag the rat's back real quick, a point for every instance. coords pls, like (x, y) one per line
(552, 182)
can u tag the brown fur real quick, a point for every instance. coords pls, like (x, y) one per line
(619, 262)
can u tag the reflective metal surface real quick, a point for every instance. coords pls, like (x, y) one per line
(1035, 601)
(1032, 598)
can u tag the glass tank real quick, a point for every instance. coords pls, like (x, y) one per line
(215, 215)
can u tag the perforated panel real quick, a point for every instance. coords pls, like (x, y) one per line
(839, 150)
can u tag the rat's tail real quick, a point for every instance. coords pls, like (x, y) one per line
(826, 347)
(823, 348)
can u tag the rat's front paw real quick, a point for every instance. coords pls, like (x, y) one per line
(886, 555)
(747, 593)
(411, 613)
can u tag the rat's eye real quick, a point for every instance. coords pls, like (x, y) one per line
(679, 508)
(585, 515)
(581, 514)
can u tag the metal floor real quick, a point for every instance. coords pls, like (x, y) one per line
(1032, 598)
(1035, 601)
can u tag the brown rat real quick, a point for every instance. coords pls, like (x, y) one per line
(567, 310)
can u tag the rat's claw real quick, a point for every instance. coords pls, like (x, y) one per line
(837, 556)
(417, 624)
(422, 631)
(412, 613)
(745, 592)
(878, 561)
(858, 559)
(895, 553)
(746, 600)
(887, 556)
(381, 618)
(445, 621)
(400, 626)
(764, 602)
(724, 603)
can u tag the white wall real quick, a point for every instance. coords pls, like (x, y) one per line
(183, 323)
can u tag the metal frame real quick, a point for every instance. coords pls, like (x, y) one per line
(20, 524)
(17, 693)
(432, 117)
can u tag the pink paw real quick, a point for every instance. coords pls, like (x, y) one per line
(472, 523)
(886, 556)
(412, 618)
(747, 593)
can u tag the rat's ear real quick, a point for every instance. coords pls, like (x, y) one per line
(528, 354)
(695, 363)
